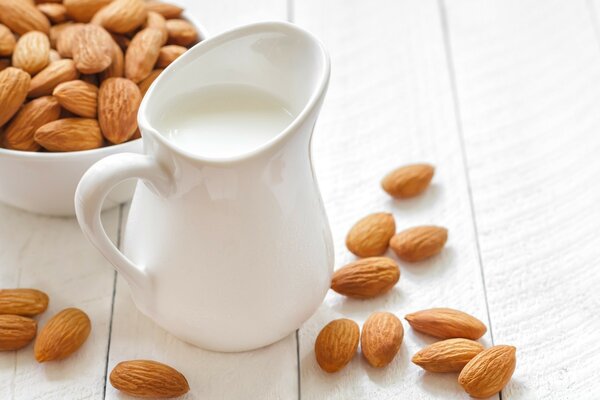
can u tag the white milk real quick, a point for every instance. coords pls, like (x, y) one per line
(224, 120)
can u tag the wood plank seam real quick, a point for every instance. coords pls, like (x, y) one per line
(594, 20)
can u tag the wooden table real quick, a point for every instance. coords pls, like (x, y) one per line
(503, 96)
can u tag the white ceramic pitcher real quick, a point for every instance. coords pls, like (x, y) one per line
(227, 254)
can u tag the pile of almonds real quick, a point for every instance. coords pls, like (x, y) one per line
(73, 72)
(483, 372)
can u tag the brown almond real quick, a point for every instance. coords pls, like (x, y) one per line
(66, 39)
(14, 84)
(56, 30)
(70, 134)
(419, 243)
(371, 235)
(167, 10)
(181, 32)
(47, 79)
(84, 10)
(489, 371)
(53, 56)
(19, 132)
(25, 302)
(336, 344)
(145, 378)
(408, 181)
(22, 16)
(144, 85)
(142, 54)
(93, 49)
(16, 332)
(121, 16)
(118, 103)
(156, 21)
(7, 41)
(55, 12)
(116, 68)
(381, 338)
(170, 53)
(32, 52)
(64, 334)
(79, 97)
(366, 278)
(449, 355)
(446, 323)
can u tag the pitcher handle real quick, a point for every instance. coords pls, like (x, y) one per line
(93, 188)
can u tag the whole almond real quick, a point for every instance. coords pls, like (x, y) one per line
(489, 371)
(16, 332)
(118, 103)
(116, 68)
(121, 16)
(366, 278)
(14, 84)
(25, 302)
(47, 79)
(66, 39)
(22, 16)
(19, 132)
(167, 10)
(7, 41)
(79, 97)
(64, 334)
(84, 10)
(144, 85)
(419, 243)
(408, 181)
(336, 344)
(170, 53)
(145, 378)
(446, 323)
(142, 54)
(371, 235)
(449, 355)
(181, 32)
(156, 21)
(32, 52)
(55, 12)
(93, 49)
(70, 134)
(381, 338)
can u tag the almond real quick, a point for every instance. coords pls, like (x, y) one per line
(144, 85)
(446, 323)
(181, 32)
(53, 56)
(366, 278)
(371, 235)
(121, 16)
(66, 39)
(408, 181)
(93, 49)
(170, 53)
(32, 52)
(167, 10)
(381, 338)
(142, 54)
(118, 103)
(145, 378)
(7, 41)
(70, 134)
(84, 10)
(156, 21)
(336, 344)
(79, 97)
(22, 16)
(117, 66)
(56, 30)
(55, 12)
(25, 302)
(489, 371)
(14, 84)
(47, 79)
(16, 332)
(419, 243)
(19, 132)
(64, 334)
(449, 355)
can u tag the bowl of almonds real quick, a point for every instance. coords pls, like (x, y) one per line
(72, 76)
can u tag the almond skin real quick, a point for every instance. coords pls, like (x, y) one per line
(117, 67)
(148, 379)
(7, 41)
(381, 338)
(181, 32)
(38, 112)
(14, 84)
(167, 10)
(489, 371)
(446, 323)
(66, 38)
(142, 54)
(79, 97)
(156, 21)
(32, 52)
(25, 302)
(64, 334)
(70, 134)
(16, 332)
(84, 10)
(408, 181)
(371, 235)
(419, 243)
(366, 278)
(93, 49)
(47, 79)
(53, 56)
(121, 16)
(449, 355)
(22, 16)
(118, 103)
(55, 12)
(144, 85)
(336, 344)
(170, 53)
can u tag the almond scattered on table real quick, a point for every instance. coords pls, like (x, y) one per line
(336, 344)
(381, 338)
(16, 332)
(419, 243)
(489, 371)
(449, 355)
(366, 278)
(446, 323)
(62, 335)
(146, 378)
(25, 302)
(408, 181)
(371, 235)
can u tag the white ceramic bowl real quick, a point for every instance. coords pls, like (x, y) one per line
(45, 183)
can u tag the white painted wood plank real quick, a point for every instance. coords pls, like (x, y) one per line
(390, 103)
(51, 254)
(528, 79)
